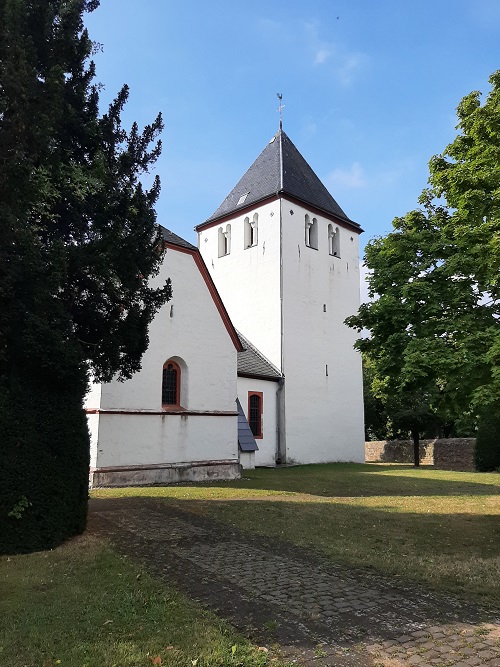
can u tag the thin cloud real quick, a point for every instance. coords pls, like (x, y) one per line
(322, 56)
(309, 129)
(343, 64)
(352, 178)
(270, 27)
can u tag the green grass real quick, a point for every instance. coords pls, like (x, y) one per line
(82, 605)
(436, 527)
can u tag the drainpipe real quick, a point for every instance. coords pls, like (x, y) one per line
(280, 422)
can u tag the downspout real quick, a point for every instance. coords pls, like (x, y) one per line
(280, 438)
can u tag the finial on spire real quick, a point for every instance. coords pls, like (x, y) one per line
(280, 109)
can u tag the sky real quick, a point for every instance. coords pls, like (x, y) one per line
(370, 89)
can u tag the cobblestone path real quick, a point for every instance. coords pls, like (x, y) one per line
(274, 592)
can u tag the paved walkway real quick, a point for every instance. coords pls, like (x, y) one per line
(319, 613)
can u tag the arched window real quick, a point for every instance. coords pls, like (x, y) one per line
(224, 241)
(313, 234)
(251, 231)
(254, 229)
(308, 230)
(311, 229)
(333, 241)
(255, 413)
(171, 385)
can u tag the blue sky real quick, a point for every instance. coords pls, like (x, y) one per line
(370, 90)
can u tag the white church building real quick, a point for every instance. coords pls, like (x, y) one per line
(250, 363)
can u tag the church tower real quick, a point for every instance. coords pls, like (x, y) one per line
(285, 259)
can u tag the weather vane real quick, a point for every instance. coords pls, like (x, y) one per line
(280, 109)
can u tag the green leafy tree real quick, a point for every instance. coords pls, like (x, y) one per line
(78, 244)
(377, 424)
(434, 280)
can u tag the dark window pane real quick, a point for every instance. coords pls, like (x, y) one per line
(254, 414)
(169, 386)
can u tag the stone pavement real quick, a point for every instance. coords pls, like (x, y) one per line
(319, 613)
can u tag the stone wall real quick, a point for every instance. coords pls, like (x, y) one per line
(444, 453)
(454, 453)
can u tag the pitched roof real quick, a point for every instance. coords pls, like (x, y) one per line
(246, 439)
(280, 169)
(253, 363)
(172, 238)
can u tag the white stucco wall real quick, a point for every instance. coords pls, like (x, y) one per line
(92, 399)
(190, 330)
(324, 413)
(248, 279)
(266, 454)
(151, 439)
(93, 424)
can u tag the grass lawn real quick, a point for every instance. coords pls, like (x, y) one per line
(81, 605)
(437, 527)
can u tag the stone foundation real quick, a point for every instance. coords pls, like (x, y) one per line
(165, 473)
(442, 453)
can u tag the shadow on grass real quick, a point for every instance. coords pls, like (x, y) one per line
(452, 553)
(356, 480)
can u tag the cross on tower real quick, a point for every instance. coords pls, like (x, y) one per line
(280, 108)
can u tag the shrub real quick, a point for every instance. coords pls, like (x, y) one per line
(487, 451)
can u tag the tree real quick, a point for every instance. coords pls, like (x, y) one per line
(377, 425)
(434, 318)
(79, 242)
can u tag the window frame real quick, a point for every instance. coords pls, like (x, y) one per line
(311, 228)
(177, 368)
(333, 241)
(260, 395)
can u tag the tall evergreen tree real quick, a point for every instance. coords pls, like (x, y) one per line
(78, 244)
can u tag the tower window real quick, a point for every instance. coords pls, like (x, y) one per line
(224, 241)
(255, 412)
(251, 231)
(333, 241)
(311, 229)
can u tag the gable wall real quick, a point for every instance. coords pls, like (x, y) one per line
(188, 328)
(195, 335)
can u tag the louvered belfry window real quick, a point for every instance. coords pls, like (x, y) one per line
(170, 384)
(255, 414)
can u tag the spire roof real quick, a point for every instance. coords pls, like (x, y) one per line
(280, 169)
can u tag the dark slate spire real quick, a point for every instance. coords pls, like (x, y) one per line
(280, 169)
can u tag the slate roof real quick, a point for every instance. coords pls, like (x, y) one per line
(253, 363)
(280, 168)
(246, 440)
(172, 238)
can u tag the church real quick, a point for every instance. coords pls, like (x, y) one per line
(250, 363)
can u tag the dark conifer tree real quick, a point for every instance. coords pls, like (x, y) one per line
(78, 244)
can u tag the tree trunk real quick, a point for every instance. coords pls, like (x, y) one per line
(416, 447)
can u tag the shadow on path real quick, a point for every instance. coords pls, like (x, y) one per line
(277, 593)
